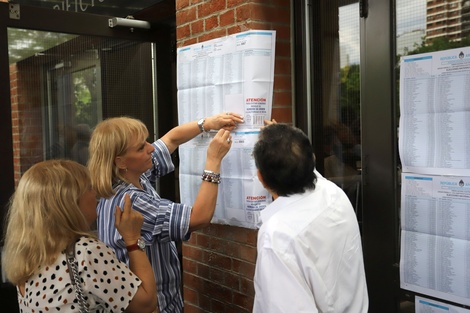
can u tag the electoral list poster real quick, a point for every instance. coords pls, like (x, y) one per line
(230, 74)
(434, 144)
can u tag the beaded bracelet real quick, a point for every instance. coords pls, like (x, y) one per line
(211, 177)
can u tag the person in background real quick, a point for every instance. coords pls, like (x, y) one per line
(80, 148)
(65, 136)
(123, 162)
(309, 246)
(52, 208)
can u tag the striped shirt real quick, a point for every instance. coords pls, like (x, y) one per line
(164, 223)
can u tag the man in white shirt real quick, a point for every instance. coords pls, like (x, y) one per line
(309, 245)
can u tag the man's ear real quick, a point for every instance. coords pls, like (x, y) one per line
(260, 177)
(120, 163)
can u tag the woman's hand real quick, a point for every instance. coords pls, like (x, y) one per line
(227, 121)
(269, 122)
(219, 145)
(128, 222)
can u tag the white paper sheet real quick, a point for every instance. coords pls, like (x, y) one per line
(229, 74)
(435, 112)
(435, 196)
(423, 305)
(435, 237)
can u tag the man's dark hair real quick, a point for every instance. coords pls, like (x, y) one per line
(284, 156)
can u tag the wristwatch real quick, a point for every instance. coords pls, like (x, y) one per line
(200, 124)
(139, 245)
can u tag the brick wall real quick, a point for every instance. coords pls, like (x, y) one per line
(26, 117)
(219, 261)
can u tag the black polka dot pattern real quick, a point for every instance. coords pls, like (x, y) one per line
(108, 284)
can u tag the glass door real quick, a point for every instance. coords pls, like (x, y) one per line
(335, 89)
(353, 125)
(428, 26)
(65, 84)
(74, 105)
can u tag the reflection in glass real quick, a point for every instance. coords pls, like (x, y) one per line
(342, 126)
(58, 83)
(55, 94)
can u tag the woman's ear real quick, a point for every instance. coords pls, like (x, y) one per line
(120, 162)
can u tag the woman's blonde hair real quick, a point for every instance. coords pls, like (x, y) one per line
(44, 217)
(111, 138)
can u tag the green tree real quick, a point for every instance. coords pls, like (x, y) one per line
(350, 87)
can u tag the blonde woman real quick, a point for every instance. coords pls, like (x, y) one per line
(123, 162)
(52, 208)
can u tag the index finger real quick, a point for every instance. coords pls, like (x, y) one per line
(127, 204)
(221, 132)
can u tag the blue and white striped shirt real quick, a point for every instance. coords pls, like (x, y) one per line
(164, 223)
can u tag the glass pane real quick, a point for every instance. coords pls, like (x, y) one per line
(340, 103)
(63, 85)
(427, 26)
(74, 106)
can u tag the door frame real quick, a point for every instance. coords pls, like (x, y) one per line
(44, 19)
(380, 190)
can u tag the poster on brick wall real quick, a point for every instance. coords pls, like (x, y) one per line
(229, 74)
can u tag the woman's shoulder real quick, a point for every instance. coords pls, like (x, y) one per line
(92, 245)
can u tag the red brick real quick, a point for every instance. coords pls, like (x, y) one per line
(189, 308)
(191, 295)
(211, 23)
(181, 4)
(212, 35)
(234, 3)
(282, 98)
(283, 82)
(216, 291)
(192, 252)
(282, 49)
(189, 265)
(217, 306)
(248, 253)
(217, 260)
(282, 115)
(243, 12)
(245, 269)
(197, 27)
(185, 16)
(210, 7)
(226, 18)
(242, 300)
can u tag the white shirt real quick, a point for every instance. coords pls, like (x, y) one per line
(310, 255)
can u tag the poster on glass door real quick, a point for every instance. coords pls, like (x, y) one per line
(434, 146)
(229, 74)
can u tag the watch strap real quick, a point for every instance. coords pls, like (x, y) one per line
(133, 247)
(139, 245)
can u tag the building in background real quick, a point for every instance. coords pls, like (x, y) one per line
(444, 19)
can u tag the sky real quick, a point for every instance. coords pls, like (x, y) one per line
(410, 15)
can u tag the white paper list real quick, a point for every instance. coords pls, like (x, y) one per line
(435, 112)
(229, 74)
(435, 237)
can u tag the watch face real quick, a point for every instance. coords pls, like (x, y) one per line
(141, 243)
(200, 124)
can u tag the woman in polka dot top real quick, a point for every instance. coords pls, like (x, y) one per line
(52, 208)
